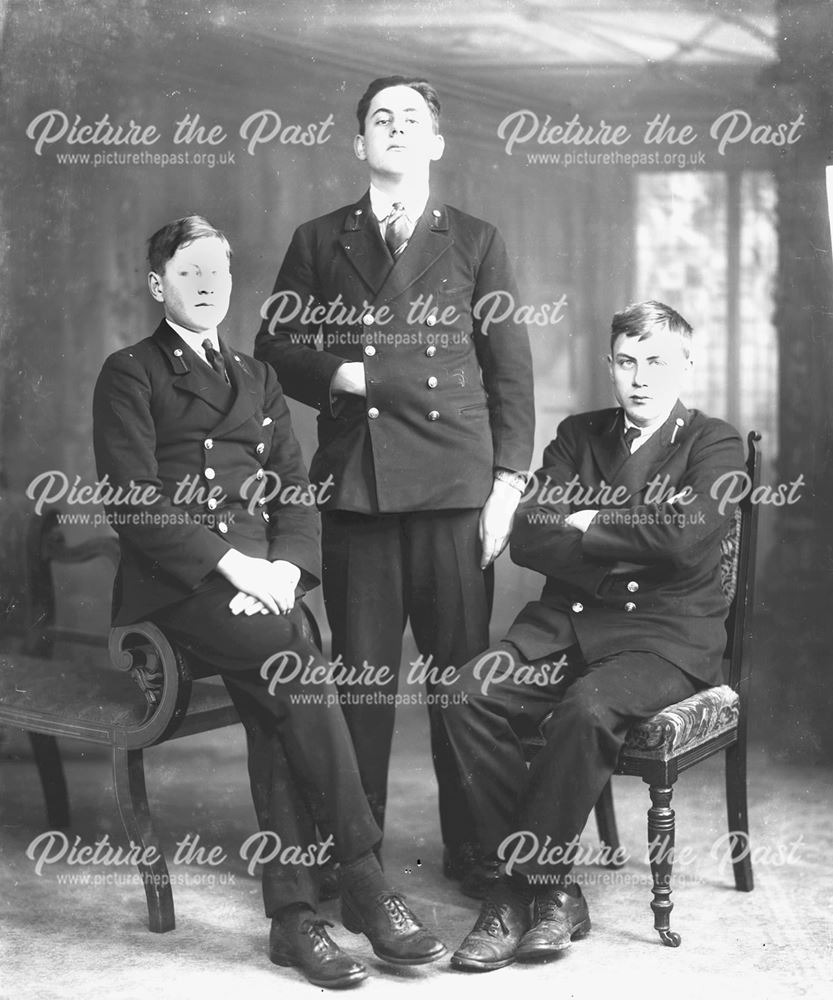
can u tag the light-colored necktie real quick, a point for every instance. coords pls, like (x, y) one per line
(397, 229)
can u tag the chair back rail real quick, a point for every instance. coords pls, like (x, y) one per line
(739, 623)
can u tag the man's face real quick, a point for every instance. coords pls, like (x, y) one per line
(195, 286)
(648, 375)
(399, 138)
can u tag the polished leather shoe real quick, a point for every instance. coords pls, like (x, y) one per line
(308, 946)
(394, 932)
(504, 920)
(465, 863)
(558, 919)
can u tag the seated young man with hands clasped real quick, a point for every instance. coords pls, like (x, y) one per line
(219, 558)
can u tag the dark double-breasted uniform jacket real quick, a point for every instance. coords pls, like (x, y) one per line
(200, 467)
(645, 575)
(448, 400)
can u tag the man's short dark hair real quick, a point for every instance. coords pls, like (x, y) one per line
(422, 87)
(638, 319)
(166, 241)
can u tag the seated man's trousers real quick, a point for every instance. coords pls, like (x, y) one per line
(583, 710)
(302, 766)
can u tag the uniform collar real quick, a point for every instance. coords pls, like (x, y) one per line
(617, 466)
(645, 433)
(195, 339)
(198, 381)
(360, 218)
(413, 200)
(364, 248)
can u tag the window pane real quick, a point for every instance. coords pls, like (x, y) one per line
(681, 260)
(759, 342)
(682, 249)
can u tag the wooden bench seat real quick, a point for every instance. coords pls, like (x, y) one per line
(57, 682)
(87, 702)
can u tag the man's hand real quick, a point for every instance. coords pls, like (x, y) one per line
(581, 519)
(245, 604)
(496, 521)
(262, 586)
(350, 378)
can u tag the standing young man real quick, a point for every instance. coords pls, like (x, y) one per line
(425, 425)
(196, 429)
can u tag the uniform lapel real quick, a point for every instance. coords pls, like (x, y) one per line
(191, 374)
(196, 378)
(645, 464)
(429, 241)
(608, 447)
(363, 245)
(245, 392)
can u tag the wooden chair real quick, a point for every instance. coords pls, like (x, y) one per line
(713, 720)
(155, 694)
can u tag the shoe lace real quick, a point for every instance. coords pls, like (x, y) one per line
(491, 920)
(316, 931)
(546, 906)
(401, 917)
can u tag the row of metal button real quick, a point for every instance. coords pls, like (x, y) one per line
(209, 444)
(374, 411)
(210, 474)
(368, 319)
(370, 351)
(578, 607)
(632, 587)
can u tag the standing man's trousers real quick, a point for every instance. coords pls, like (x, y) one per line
(379, 571)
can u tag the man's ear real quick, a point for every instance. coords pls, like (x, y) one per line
(358, 147)
(155, 286)
(438, 148)
(609, 360)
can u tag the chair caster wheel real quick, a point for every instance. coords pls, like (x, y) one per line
(670, 938)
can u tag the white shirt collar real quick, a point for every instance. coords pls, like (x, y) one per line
(414, 201)
(644, 432)
(194, 340)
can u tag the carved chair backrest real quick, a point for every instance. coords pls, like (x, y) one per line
(737, 571)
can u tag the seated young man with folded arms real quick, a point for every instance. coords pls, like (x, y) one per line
(623, 521)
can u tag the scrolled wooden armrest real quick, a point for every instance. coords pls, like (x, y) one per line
(159, 670)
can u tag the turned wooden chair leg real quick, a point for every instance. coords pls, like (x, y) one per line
(606, 824)
(51, 770)
(131, 797)
(738, 817)
(661, 854)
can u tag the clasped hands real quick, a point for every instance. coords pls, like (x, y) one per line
(263, 587)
